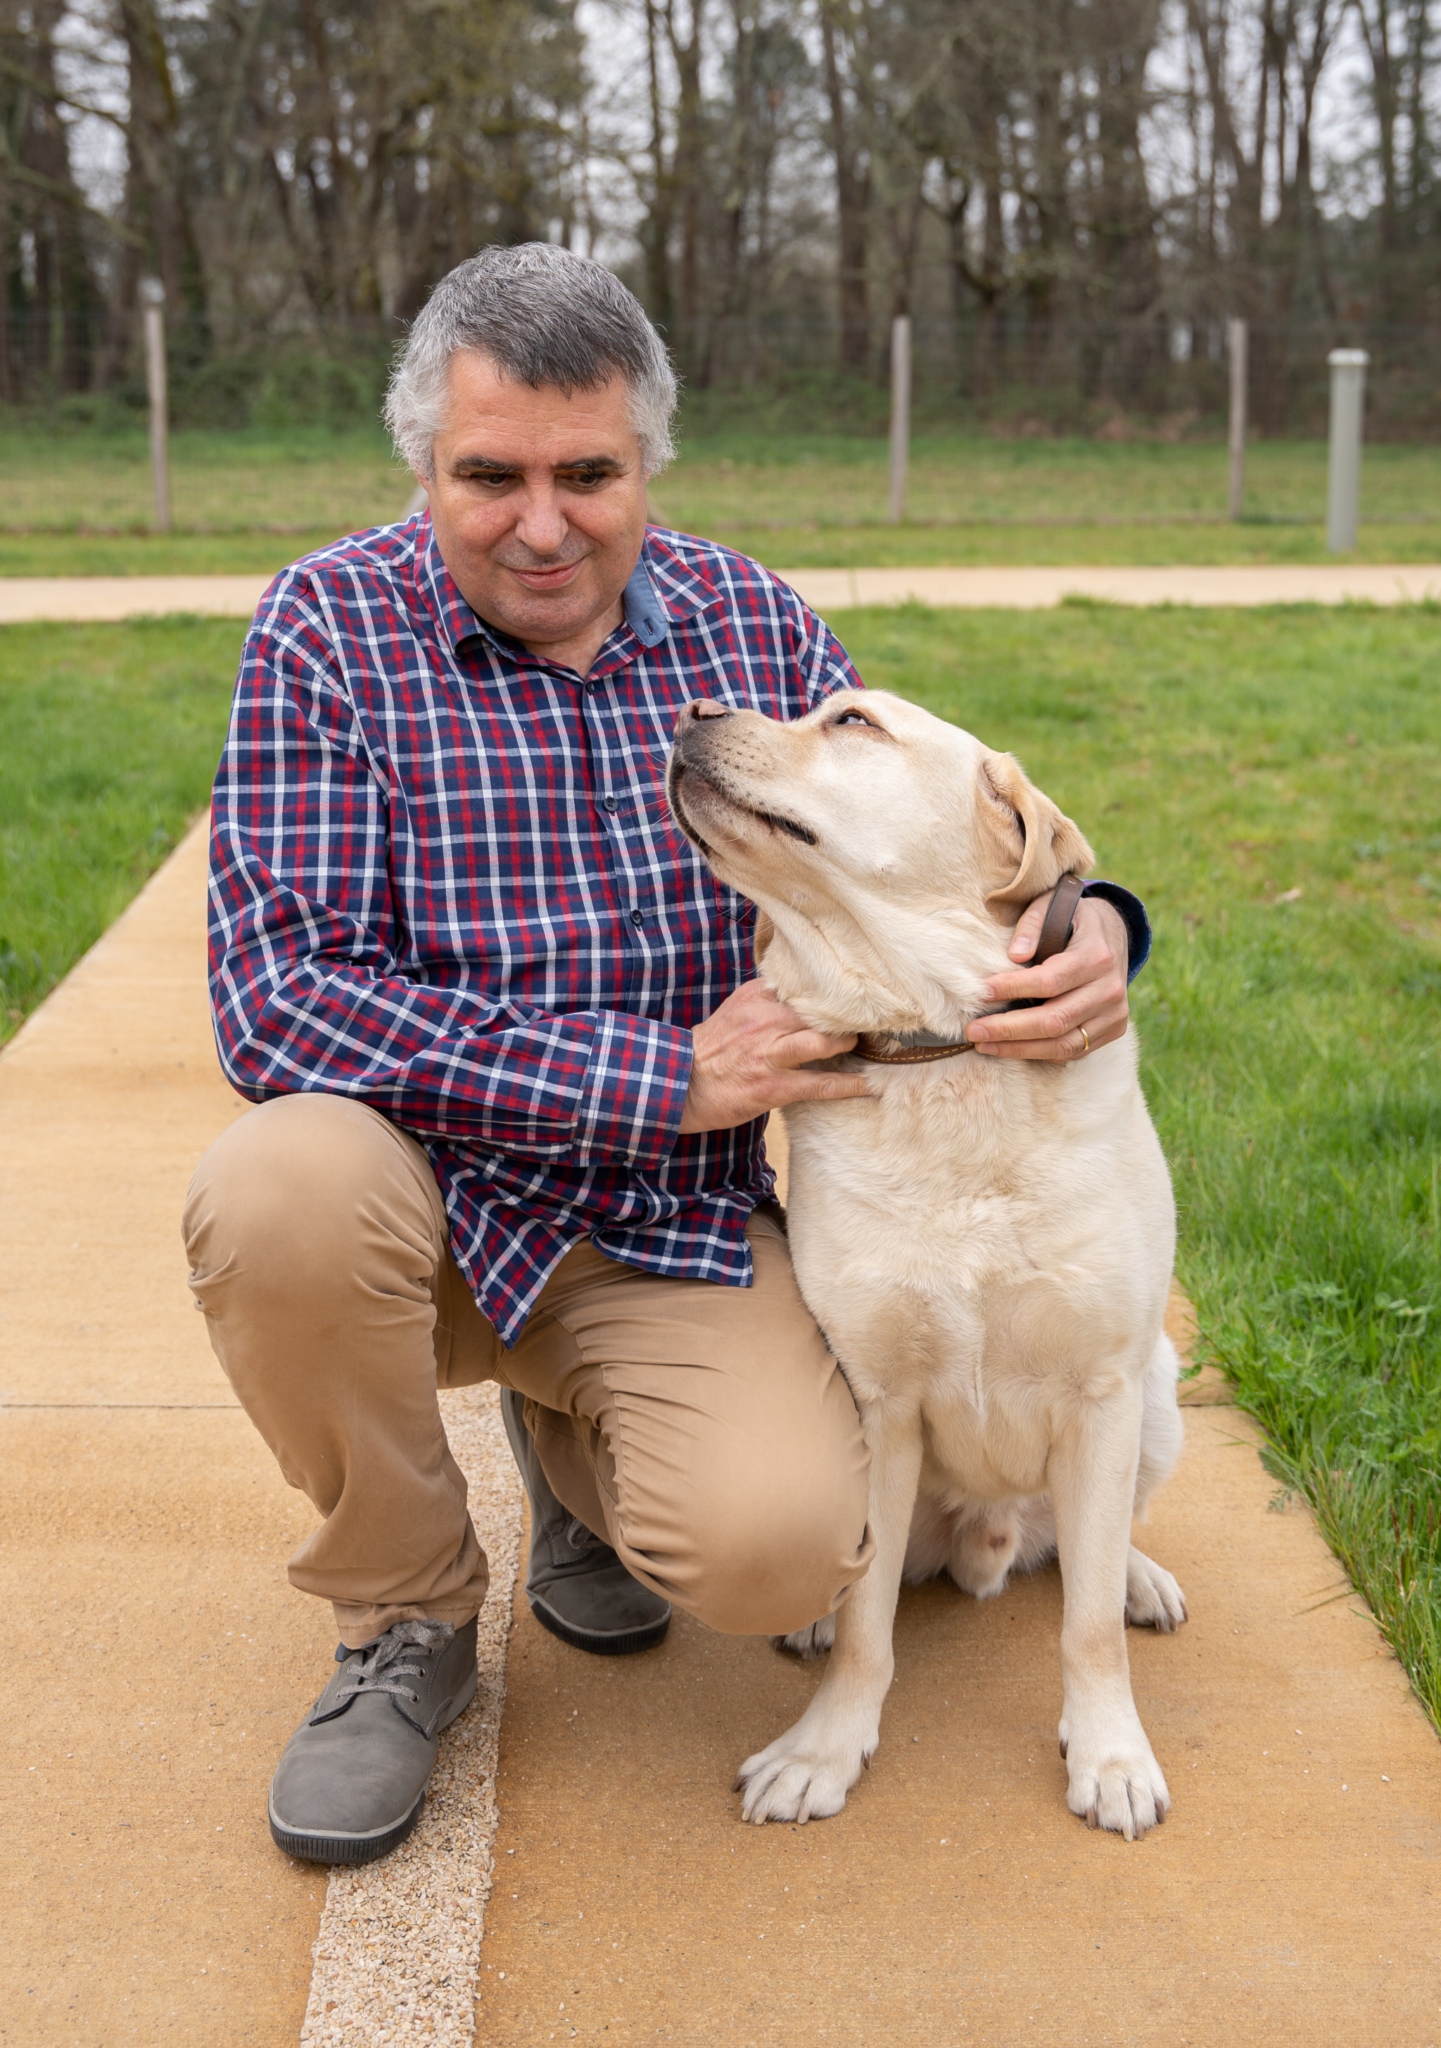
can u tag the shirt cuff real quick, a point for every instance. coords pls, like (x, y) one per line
(1133, 916)
(634, 1092)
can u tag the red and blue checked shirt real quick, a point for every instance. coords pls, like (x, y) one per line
(445, 881)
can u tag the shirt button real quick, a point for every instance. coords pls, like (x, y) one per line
(592, 687)
(637, 917)
(608, 803)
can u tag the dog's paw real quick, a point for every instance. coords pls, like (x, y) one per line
(802, 1776)
(1153, 1599)
(1117, 1784)
(809, 1642)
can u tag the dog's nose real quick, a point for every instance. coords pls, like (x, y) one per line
(706, 707)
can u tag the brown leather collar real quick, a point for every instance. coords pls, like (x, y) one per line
(867, 1047)
(919, 1048)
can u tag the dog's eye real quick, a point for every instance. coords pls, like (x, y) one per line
(851, 718)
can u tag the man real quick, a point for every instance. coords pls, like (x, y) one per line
(511, 1066)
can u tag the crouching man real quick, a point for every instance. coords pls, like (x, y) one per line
(510, 1068)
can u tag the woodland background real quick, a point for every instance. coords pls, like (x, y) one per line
(1070, 197)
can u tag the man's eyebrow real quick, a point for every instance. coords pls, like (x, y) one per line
(610, 465)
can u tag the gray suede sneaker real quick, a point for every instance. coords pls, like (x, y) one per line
(351, 1782)
(576, 1585)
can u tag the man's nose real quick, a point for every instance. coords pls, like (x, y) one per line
(542, 525)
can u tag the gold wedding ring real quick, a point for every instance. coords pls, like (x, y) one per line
(1085, 1042)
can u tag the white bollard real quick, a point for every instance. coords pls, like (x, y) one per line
(900, 413)
(152, 301)
(1236, 338)
(1343, 496)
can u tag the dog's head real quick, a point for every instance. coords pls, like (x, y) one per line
(890, 853)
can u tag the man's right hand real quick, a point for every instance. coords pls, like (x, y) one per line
(751, 1057)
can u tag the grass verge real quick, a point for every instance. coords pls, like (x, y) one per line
(111, 739)
(1266, 779)
(250, 501)
(1268, 782)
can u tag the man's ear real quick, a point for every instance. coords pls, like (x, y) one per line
(1028, 834)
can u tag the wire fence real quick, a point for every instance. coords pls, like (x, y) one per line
(1064, 375)
(1161, 377)
(288, 439)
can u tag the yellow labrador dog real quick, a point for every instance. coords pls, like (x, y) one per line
(986, 1243)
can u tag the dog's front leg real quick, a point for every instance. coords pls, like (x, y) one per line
(1114, 1779)
(807, 1772)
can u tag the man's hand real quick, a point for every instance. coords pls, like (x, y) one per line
(1084, 989)
(750, 1057)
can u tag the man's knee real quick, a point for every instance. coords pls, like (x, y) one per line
(767, 1559)
(303, 1190)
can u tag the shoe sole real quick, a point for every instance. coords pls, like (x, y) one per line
(622, 1643)
(345, 1849)
(367, 1848)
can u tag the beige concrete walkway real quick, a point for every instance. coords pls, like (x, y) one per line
(828, 590)
(157, 1657)
(158, 1661)
(27, 598)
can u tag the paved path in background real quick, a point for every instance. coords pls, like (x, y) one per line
(104, 599)
(28, 598)
(1290, 1899)
(827, 590)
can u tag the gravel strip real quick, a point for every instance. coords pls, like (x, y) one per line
(398, 1955)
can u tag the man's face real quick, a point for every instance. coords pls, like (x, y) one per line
(538, 503)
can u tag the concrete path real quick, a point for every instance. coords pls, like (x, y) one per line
(159, 1661)
(104, 599)
(27, 598)
(828, 590)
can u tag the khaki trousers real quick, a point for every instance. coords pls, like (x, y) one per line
(705, 1431)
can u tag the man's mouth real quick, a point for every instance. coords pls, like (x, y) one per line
(553, 578)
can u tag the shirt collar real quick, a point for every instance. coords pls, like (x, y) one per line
(663, 589)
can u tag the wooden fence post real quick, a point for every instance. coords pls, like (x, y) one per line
(1237, 339)
(900, 413)
(1343, 492)
(152, 301)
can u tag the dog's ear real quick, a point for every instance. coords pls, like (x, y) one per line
(1030, 836)
(765, 931)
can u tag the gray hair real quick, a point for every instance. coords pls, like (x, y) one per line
(543, 316)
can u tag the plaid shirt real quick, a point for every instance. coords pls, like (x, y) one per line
(445, 881)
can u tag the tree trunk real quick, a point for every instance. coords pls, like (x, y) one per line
(852, 206)
(157, 184)
(655, 231)
(688, 171)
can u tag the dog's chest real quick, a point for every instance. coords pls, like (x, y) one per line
(912, 1253)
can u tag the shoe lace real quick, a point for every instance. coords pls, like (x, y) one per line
(399, 1654)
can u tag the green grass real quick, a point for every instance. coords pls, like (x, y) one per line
(1188, 541)
(1219, 762)
(301, 481)
(111, 739)
(749, 482)
(77, 505)
(145, 554)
